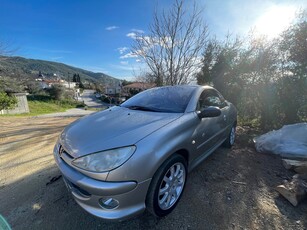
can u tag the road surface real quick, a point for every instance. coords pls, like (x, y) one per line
(33, 195)
(91, 101)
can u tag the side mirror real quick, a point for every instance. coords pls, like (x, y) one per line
(209, 112)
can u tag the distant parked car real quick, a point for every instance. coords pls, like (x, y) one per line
(119, 161)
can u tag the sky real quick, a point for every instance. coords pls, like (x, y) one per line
(97, 34)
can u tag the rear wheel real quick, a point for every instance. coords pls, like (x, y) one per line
(167, 186)
(230, 141)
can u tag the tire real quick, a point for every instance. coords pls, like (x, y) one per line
(169, 181)
(230, 141)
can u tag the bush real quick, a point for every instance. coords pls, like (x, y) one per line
(42, 104)
(302, 113)
(6, 101)
(56, 92)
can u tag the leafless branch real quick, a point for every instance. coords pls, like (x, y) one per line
(175, 42)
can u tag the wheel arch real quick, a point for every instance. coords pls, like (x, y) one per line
(184, 153)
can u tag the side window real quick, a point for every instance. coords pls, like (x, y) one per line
(208, 98)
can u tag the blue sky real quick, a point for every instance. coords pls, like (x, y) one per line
(94, 34)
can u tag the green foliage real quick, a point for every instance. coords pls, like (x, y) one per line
(33, 87)
(105, 99)
(6, 101)
(125, 82)
(10, 85)
(81, 86)
(56, 92)
(43, 104)
(76, 78)
(302, 113)
(266, 80)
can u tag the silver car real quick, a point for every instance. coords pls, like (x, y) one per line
(119, 161)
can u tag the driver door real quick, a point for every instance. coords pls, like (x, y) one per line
(208, 131)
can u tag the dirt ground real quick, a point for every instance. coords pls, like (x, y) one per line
(232, 189)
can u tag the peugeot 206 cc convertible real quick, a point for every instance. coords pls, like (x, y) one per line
(119, 161)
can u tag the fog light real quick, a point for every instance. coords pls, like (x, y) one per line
(108, 203)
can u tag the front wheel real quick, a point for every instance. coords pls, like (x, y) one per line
(167, 186)
(230, 141)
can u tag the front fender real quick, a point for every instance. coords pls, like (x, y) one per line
(153, 150)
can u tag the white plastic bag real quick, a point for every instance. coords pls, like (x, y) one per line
(290, 140)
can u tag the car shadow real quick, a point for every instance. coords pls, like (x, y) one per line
(232, 189)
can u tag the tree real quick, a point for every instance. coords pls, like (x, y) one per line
(10, 85)
(74, 78)
(172, 48)
(57, 92)
(6, 101)
(221, 67)
(204, 76)
(245, 74)
(292, 88)
(33, 87)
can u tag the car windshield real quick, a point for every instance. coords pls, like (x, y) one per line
(173, 99)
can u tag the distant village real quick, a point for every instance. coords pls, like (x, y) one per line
(122, 89)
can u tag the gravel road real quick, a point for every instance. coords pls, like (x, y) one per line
(232, 189)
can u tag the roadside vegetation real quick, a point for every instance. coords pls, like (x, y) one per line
(43, 104)
(265, 79)
(55, 99)
(7, 101)
(40, 101)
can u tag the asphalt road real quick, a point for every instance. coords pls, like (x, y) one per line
(91, 101)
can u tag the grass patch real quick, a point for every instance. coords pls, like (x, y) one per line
(40, 107)
(42, 104)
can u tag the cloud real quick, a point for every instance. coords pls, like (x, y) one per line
(123, 67)
(122, 50)
(124, 62)
(128, 55)
(138, 31)
(131, 35)
(111, 28)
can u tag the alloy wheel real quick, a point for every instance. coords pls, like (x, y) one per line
(171, 186)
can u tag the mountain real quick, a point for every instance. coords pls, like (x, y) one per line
(21, 68)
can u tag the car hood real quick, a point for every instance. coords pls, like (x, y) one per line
(112, 128)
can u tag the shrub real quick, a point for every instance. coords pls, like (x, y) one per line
(7, 101)
(56, 92)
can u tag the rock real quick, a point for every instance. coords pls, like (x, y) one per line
(294, 191)
(299, 166)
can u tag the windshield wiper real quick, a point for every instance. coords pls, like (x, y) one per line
(143, 108)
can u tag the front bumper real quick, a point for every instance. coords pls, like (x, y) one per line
(87, 192)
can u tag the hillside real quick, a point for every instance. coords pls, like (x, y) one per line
(21, 68)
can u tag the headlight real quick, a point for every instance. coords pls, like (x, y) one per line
(105, 160)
